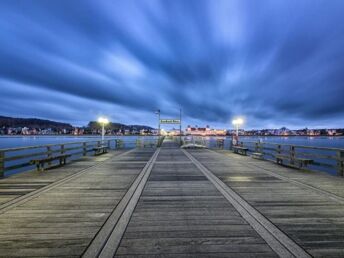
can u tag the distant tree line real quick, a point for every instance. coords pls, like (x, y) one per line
(10, 125)
(32, 123)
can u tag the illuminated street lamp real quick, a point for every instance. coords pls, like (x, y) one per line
(103, 121)
(237, 122)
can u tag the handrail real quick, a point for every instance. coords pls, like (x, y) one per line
(299, 146)
(19, 157)
(326, 159)
(330, 161)
(50, 145)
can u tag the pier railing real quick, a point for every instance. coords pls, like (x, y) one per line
(13, 160)
(330, 160)
(324, 159)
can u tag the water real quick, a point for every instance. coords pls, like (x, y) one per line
(24, 141)
(324, 160)
(328, 142)
(75, 149)
(319, 141)
(129, 141)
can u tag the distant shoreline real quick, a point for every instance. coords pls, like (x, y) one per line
(108, 136)
(68, 135)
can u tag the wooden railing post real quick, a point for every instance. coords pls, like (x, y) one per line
(279, 149)
(49, 154)
(2, 164)
(117, 144)
(62, 149)
(84, 148)
(256, 148)
(99, 143)
(340, 163)
(292, 155)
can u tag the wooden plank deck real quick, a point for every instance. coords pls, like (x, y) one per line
(307, 206)
(169, 202)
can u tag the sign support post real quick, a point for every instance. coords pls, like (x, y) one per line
(180, 126)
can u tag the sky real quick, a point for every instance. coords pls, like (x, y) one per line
(273, 62)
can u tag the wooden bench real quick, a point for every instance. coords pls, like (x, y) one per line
(301, 162)
(257, 155)
(149, 145)
(240, 150)
(100, 150)
(40, 162)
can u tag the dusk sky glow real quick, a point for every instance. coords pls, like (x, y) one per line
(274, 62)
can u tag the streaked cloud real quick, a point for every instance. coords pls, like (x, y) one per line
(275, 62)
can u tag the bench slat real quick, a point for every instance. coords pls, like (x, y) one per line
(40, 162)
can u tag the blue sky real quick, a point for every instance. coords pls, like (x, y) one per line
(275, 62)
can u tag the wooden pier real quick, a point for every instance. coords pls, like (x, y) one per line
(170, 202)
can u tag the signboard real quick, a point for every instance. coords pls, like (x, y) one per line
(169, 121)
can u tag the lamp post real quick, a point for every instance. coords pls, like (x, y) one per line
(103, 121)
(158, 113)
(237, 122)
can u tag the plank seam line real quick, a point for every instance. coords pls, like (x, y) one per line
(275, 238)
(332, 196)
(310, 187)
(115, 226)
(34, 194)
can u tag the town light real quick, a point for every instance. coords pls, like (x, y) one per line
(103, 121)
(237, 122)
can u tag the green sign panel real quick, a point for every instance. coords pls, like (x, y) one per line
(169, 121)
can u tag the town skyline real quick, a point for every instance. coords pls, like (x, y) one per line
(34, 126)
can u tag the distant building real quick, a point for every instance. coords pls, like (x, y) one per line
(204, 131)
(25, 131)
(155, 132)
(332, 132)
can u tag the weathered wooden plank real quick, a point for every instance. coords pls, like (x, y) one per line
(190, 247)
(181, 212)
(63, 220)
(106, 241)
(307, 214)
(277, 240)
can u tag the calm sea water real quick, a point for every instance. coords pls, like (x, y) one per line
(330, 142)
(21, 141)
(25, 141)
